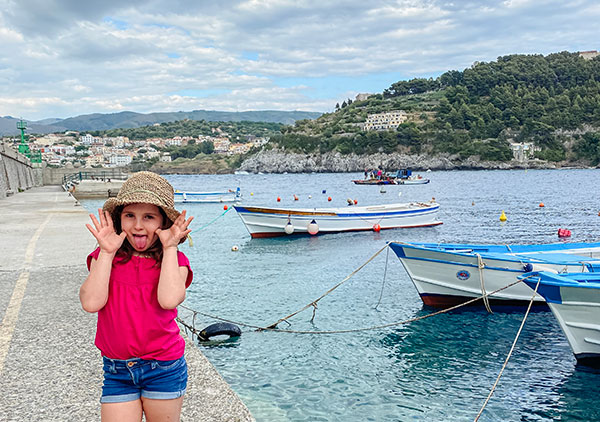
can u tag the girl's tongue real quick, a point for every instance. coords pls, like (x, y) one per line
(140, 241)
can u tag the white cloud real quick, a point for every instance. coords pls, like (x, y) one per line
(67, 57)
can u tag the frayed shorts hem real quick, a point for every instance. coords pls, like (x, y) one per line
(154, 395)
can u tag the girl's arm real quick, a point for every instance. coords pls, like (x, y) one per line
(93, 293)
(171, 284)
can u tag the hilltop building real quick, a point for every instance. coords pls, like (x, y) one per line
(384, 121)
(588, 55)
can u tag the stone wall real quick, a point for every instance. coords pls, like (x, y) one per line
(16, 172)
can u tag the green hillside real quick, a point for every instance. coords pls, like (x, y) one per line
(552, 101)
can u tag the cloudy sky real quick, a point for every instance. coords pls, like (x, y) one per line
(62, 58)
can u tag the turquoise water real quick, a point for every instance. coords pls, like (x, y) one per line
(436, 369)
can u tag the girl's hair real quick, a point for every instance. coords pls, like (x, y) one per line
(126, 251)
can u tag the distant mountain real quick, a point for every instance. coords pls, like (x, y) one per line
(129, 119)
(8, 126)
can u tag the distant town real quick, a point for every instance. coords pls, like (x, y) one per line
(84, 150)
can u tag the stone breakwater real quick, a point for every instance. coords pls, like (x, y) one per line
(278, 161)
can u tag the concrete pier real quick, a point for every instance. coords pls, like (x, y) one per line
(50, 369)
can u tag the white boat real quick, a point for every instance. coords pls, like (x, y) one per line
(272, 222)
(449, 274)
(204, 197)
(574, 299)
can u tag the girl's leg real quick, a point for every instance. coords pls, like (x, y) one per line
(162, 410)
(129, 411)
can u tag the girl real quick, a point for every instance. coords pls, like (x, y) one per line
(137, 279)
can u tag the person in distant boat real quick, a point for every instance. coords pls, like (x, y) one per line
(136, 280)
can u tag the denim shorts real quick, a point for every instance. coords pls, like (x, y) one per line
(130, 379)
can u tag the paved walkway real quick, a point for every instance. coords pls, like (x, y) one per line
(50, 369)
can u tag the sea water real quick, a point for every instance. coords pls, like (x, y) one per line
(437, 369)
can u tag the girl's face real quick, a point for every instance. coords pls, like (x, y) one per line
(140, 222)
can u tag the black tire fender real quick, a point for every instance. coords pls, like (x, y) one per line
(219, 329)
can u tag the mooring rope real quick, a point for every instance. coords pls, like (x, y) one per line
(314, 302)
(481, 266)
(510, 351)
(387, 255)
(353, 330)
(213, 220)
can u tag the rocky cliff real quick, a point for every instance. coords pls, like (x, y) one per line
(278, 161)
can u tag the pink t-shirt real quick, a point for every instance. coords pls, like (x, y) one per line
(132, 323)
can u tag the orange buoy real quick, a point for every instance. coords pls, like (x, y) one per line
(278, 199)
(225, 207)
(329, 198)
(295, 198)
(542, 205)
(355, 202)
(377, 228)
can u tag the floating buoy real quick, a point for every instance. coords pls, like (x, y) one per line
(355, 202)
(295, 198)
(235, 248)
(225, 207)
(564, 233)
(502, 216)
(376, 228)
(278, 199)
(309, 196)
(289, 228)
(324, 191)
(251, 193)
(313, 227)
(329, 198)
(219, 329)
(542, 205)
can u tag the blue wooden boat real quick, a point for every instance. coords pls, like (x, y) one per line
(574, 299)
(208, 197)
(449, 274)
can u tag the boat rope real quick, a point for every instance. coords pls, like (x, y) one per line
(213, 220)
(481, 266)
(387, 255)
(352, 330)
(510, 351)
(314, 302)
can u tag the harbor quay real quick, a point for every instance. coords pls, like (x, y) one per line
(50, 369)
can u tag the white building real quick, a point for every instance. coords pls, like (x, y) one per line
(119, 160)
(385, 121)
(86, 139)
(523, 151)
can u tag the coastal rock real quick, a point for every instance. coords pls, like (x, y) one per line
(279, 161)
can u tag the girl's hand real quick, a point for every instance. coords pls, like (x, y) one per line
(104, 232)
(179, 230)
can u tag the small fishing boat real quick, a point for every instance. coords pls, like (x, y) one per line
(449, 274)
(375, 181)
(401, 177)
(574, 299)
(272, 222)
(207, 197)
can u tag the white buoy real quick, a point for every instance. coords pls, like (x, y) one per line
(313, 227)
(289, 228)
(235, 248)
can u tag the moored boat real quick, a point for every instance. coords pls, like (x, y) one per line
(272, 222)
(206, 197)
(574, 299)
(449, 274)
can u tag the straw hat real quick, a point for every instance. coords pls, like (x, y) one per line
(145, 187)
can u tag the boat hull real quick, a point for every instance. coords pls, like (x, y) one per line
(207, 197)
(444, 278)
(272, 222)
(576, 306)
